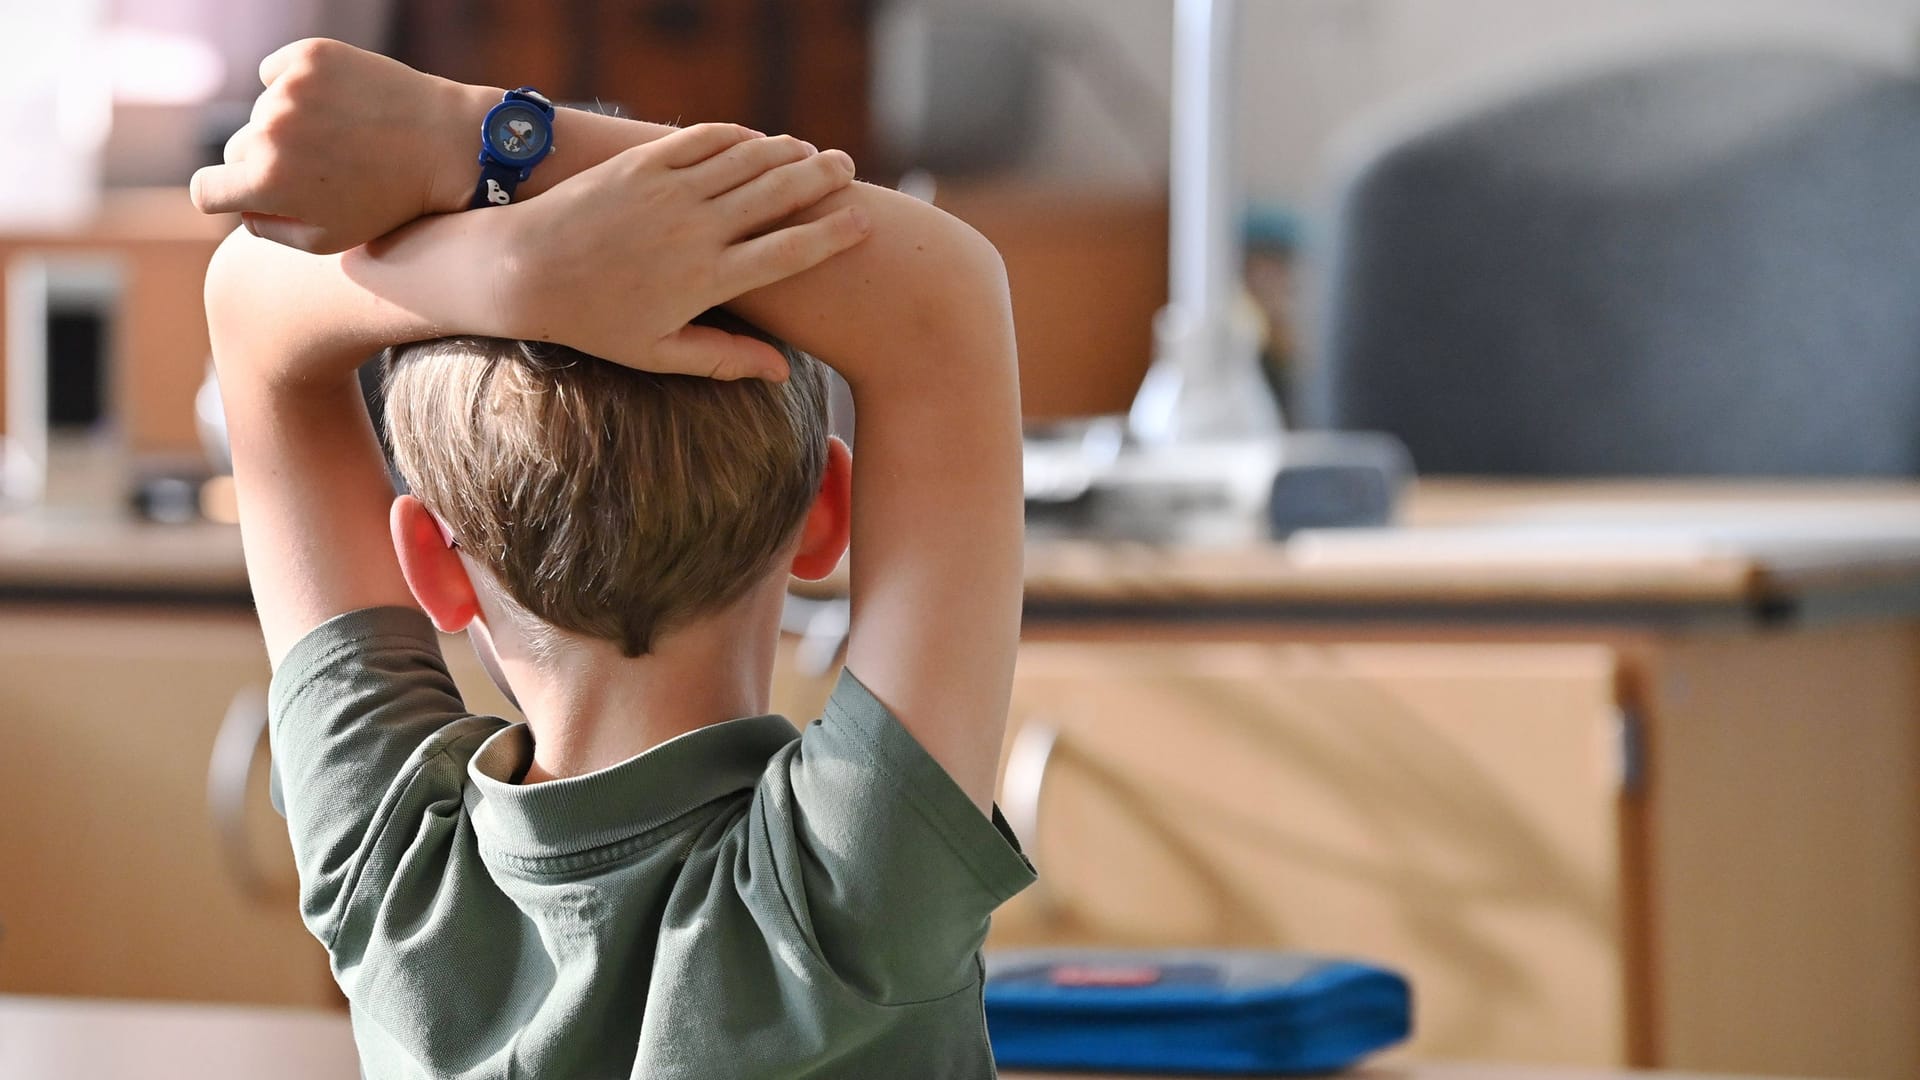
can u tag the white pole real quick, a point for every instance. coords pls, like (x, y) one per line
(1205, 383)
(1205, 242)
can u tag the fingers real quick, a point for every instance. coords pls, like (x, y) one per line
(689, 146)
(778, 193)
(783, 253)
(279, 60)
(224, 189)
(292, 233)
(717, 354)
(744, 161)
(297, 53)
(238, 144)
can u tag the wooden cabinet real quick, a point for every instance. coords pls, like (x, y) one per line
(1607, 803)
(118, 876)
(1451, 809)
(112, 880)
(1591, 849)
(121, 873)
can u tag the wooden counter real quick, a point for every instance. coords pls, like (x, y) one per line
(1598, 552)
(1617, 774)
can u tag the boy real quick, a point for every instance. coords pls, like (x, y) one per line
(649, 877)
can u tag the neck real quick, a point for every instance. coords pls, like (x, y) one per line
(589, 707)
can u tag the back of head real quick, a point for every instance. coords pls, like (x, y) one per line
(607, 502)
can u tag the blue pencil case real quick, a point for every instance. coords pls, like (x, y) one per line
(1206, 1011)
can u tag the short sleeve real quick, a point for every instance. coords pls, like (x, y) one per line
(361, 713)
(898, 869)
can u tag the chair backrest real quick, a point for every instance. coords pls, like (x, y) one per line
(1699, 263)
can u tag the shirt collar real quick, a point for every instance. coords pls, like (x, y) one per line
(564, 817)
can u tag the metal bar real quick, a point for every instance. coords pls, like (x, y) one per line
(1204, 240)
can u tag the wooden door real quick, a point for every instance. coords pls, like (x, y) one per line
(1453, 811)
(122, 873)
(113, 881)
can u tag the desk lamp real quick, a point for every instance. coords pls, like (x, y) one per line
(1200, 454)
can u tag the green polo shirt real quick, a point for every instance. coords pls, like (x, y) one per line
(746, 900)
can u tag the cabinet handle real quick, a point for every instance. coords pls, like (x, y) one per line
(1630, 753)
(229, 775)
(1021, 789)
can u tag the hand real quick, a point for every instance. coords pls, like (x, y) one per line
(617, 260)
(343, 146)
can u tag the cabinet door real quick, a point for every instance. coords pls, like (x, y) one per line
(113, 881)
(125, 870)
(1453, 811)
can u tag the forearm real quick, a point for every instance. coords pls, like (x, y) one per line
(350, 144)
(278, 316)
(919, 270)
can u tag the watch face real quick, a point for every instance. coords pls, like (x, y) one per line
(518, 132)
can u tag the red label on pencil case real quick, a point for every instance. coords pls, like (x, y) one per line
(1091, 975)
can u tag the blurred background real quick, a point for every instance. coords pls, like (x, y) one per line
(1471, 480)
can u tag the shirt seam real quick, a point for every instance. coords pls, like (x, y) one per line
(812, 939)
(646, 839)
(312, 671)
(377, 830)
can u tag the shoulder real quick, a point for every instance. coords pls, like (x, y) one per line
(360, 646)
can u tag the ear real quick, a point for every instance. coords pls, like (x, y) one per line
(432, 566)
(823, 537)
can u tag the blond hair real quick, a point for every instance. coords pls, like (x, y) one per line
(608, 502)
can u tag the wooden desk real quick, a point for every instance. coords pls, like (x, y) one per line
(1619, 775)
(66, 1039)
(1452, 563)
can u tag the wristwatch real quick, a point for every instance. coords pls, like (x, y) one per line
(514, 137)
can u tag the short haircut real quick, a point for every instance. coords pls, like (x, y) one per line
(607, 502)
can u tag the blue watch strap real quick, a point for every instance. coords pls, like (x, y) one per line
(497, 183)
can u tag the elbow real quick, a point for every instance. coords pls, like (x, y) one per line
(224, 289)
(981, 267)
(972, 286)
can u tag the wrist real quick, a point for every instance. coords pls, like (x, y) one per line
(456, 112)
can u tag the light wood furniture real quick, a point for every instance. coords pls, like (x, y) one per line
(1584, 848)
(1087, 348)
(162, 245)
(134, 870)
(48, 1038)
(143, 858)
(1619, 776)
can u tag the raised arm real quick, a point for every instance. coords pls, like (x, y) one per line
(916, 318)
(289, 328)
(919, 323)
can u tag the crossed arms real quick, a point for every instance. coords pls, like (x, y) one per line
(635, 229)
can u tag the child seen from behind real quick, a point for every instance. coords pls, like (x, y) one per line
(608, 490)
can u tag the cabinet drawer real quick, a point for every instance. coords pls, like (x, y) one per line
(1452, 810)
